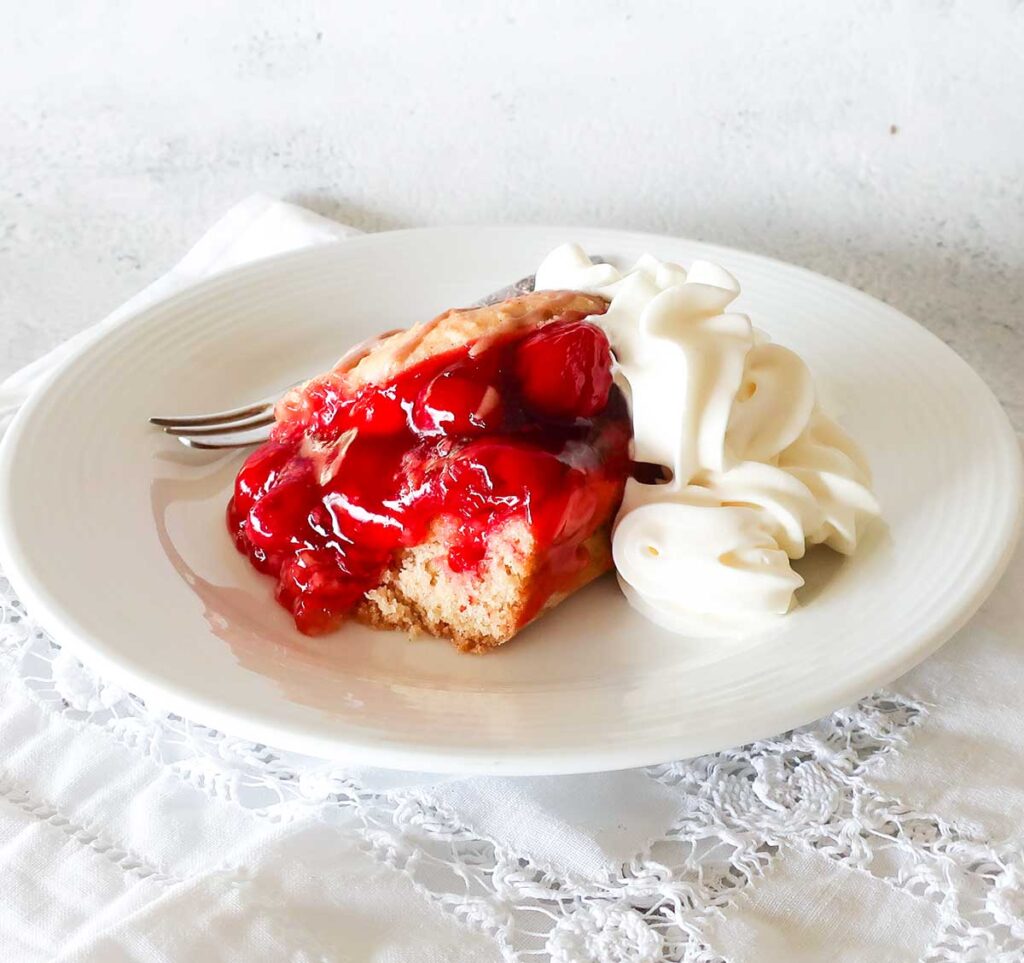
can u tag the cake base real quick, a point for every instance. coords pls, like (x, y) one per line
(484, 608)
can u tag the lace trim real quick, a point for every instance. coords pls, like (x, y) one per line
(810, 786)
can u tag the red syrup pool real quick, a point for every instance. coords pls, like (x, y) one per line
(531, 427)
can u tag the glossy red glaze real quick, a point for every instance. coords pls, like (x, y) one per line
(530, 427)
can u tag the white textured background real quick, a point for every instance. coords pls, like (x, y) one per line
(879, 142)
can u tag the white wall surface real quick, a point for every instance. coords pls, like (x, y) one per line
(879, 142)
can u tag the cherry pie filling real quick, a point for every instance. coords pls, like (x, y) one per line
(529, 427)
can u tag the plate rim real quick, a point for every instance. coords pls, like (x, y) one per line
(375, 750)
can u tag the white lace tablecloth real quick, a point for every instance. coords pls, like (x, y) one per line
(893, 830)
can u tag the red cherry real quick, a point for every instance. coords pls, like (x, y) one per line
(468, 550)
(454, 404)
(280, 517)
(258, 473)
(565, 369)
(378, 411)
(314, 587)
(518, 470)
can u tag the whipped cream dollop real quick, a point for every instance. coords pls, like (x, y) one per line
(758, 470)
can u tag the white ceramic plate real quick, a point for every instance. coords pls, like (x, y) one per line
(114, 535)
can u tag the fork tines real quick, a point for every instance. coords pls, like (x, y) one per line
(234, 428)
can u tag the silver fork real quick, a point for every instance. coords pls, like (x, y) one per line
(250, 424)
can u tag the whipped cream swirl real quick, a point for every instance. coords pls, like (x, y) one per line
(758, 471)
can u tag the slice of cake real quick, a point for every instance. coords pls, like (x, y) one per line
(460, 477)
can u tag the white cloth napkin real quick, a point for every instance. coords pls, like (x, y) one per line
(255, 228)
(890, 831)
